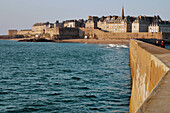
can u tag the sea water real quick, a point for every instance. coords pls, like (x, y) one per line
(64, 77)
(168, 46)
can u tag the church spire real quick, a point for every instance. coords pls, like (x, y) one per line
(123, 12)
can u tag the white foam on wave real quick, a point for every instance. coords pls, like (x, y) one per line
(117, 46)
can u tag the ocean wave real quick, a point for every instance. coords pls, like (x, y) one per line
(117, 46)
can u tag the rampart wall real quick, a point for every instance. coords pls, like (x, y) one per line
(92, 33)
(96, 33)
(69, 31)
(12, 32)
(63, 33)
(150, 69)
(24, 32)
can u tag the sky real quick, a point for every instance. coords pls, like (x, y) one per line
(22, 14)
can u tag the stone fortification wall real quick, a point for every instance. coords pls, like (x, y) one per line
(96, 33)
(68, 31)
(6, 37)
(25, 32)
(63, 33)
(12, 32)
(52, 31)
(150, 69)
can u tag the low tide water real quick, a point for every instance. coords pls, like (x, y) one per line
(64, 77)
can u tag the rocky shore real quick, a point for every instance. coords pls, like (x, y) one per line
(36, 40)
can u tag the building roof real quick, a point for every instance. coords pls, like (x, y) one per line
(70, 21)
(119, 19)
(160, 22)
(41, 24)
(26, 30)
(147, 19)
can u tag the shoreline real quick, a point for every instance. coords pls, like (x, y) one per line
(87, 41)
(97, 41)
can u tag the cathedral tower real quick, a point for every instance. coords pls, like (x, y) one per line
(123, 12)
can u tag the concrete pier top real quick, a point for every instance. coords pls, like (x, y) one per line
(150, 68)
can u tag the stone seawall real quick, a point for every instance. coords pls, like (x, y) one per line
(150, 69)
(6, 37)
(96, 33)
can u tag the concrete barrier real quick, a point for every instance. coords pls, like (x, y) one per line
(150, 69)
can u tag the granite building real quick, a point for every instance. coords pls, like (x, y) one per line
(142, 23)
(74, 23)
(159, 26)
(39, 28)
(92, 22)
(117, 24)
(57, 24)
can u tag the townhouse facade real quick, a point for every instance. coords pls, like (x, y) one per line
(159, 26)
